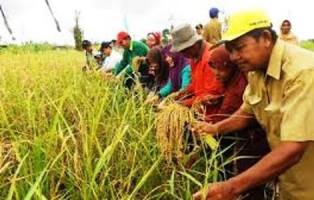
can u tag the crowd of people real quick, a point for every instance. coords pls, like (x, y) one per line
(251, 83)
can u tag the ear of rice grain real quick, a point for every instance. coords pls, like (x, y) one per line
(170, 129)
(170, 124)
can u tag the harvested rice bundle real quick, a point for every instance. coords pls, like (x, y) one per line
(170, 124)
(170, 129)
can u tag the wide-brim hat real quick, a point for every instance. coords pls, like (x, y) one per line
(183, 36)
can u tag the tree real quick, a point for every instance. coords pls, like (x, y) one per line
(77, 32)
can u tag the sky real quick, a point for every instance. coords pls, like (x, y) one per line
(101, 20)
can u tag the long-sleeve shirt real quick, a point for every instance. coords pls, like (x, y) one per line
(282, 102)
(203, 81)
(136, 49)
(185, 77)
(111, 61)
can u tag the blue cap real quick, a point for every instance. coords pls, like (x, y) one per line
(213, 12)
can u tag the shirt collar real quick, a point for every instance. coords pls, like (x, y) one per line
(131, 46)
(275, 61)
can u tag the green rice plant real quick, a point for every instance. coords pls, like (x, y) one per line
(68, 134)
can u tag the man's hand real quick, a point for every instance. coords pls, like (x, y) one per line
(280, 159)
(203, 128)
(217, 191)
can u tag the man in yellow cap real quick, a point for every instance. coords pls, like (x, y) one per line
(280, 97)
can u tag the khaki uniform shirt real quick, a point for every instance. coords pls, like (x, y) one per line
(212, 31)
(290, 38)
(282, 101)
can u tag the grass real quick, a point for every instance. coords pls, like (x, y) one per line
(308, 44)
(65, 134)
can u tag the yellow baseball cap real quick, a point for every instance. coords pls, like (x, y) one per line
(243, 22)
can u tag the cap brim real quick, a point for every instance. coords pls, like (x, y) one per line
(232, 37)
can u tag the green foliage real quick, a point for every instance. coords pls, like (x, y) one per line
(65, 134)
(77, 32)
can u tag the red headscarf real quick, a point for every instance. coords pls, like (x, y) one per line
(157, 37)
(220, 58)
(233, 90)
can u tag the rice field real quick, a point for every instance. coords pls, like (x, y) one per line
(65, 134)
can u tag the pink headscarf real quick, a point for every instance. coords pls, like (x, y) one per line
(157, 37)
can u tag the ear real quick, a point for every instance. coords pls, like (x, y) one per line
(267, 38)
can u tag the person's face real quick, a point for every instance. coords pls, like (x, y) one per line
(222, 73)
(153, 68)
(151, 42)
(125, 43)
(107, 51)
(199, 31)
(250, 53)
(170, 61)
(285, 27)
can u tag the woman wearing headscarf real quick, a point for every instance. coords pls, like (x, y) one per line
(233, 83)
(286, 33)
(153, 39)
(179, 72)
(171, 70)
(157, 67)
(252, 142)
